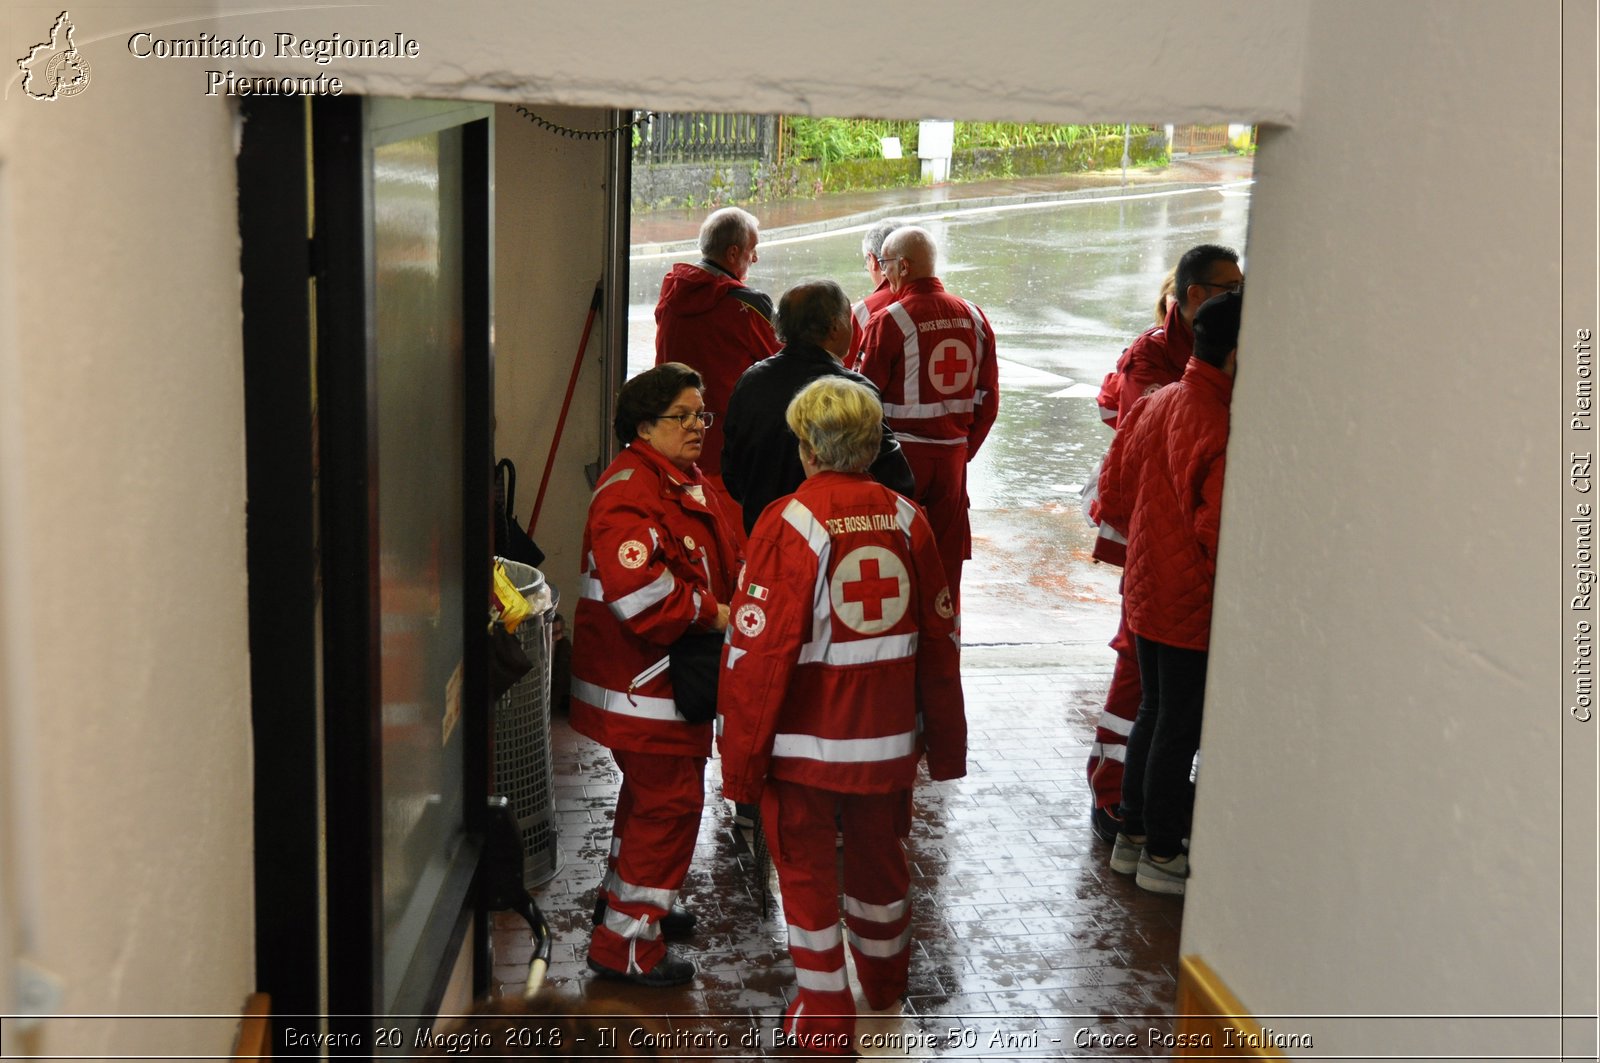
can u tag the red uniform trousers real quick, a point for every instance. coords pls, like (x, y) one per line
(801, 835)
(941, 476)
(1111, 731)
(652, 841)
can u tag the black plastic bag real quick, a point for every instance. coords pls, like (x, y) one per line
(508, 661)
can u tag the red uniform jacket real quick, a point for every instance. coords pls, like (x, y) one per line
(1153, 360)
(842, 661)
(861, 314)
(1162, 484)
(931, 356)
(657, 560)
(712, 323)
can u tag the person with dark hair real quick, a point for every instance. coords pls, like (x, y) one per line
(760, 456)
(1162, 486)
(708, 318)
(931, 355)
(1156, 358)
(880, 296)
(842, 667)
(659, 560)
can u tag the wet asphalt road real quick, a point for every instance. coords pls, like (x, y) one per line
(1066, 287)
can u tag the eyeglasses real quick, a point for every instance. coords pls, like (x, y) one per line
(1237, 287)
(883, 261)
(687, 420)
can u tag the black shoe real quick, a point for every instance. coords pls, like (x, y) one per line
(746, 815)
(671, 970)
(1105, 824)
(679, 922)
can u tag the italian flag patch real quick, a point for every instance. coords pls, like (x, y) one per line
(756, 591)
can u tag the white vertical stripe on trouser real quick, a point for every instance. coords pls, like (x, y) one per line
(1115, 724)
(845, 750)
(815, 940)
(631, 605)
(821, 981)
(913, 353)
(882, 948)
(876, 913)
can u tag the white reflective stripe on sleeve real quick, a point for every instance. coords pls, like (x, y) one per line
(1115, 752)
(1108, 532)
(913, 355)
(589, 589)
(616, 701)
(1115, 724)
(907, 437)
(980, 397)
(734, 653)
(618, 478)
(815, 940)
(821, 981)
(905, 514)
(861, 651)
(927, 409)
(845, 750)
(883, 948)
(806, 523)
(862, 314)
(631, 605)
(977, 337)
(876, 913)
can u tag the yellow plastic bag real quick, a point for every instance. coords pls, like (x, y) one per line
(513, 607)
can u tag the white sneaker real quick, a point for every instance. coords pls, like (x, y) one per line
(1125, 854)
(1169, 877)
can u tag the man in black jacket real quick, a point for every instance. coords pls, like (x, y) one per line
(760, 456)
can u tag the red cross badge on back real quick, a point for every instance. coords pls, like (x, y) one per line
(870, 590)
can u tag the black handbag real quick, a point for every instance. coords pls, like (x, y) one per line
(696, 662)
(510, 540)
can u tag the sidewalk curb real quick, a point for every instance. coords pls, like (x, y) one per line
(946, 206)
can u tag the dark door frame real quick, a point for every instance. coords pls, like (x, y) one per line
(311, 468)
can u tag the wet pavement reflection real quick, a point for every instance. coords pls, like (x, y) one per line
(1025, 945)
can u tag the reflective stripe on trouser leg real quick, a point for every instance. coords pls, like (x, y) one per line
(800, 831)
(658, 819)
(877, 885)
(1114, 726)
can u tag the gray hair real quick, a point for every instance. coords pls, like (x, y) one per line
(810, 310)
(872, 242)
(725, 228)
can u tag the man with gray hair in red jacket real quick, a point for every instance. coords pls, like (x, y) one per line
(1162, 486)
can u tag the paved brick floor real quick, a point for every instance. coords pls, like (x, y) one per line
(1022, 936)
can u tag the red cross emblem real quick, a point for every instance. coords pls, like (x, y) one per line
(950, 367)
(751, 620)
(870, 590)
(632, 554)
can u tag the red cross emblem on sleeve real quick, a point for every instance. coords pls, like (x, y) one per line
(870, 590)
(632, 554)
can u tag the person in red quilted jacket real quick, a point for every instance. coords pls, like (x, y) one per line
(1162, 487)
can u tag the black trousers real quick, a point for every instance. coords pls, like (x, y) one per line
(1156, 796)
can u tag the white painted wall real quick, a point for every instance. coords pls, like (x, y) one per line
(1377, 820)
(549, 251)
(128, 840)
(1374, 824)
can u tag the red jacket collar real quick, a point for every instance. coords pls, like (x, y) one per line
(922, 286)
(1209, 379)
(669, 473)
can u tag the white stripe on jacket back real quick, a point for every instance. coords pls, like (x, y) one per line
(845, 750)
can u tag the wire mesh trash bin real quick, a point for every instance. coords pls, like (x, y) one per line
(524, 772)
